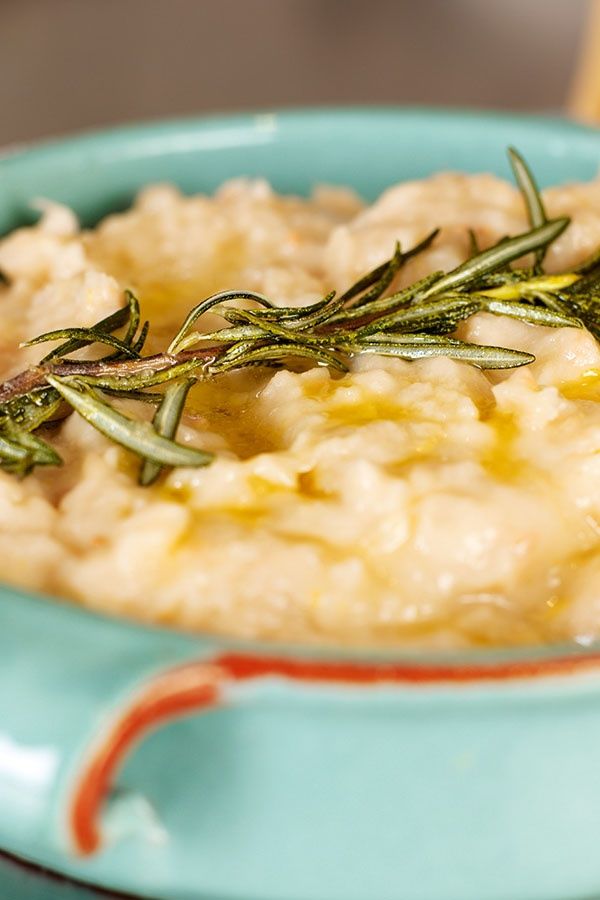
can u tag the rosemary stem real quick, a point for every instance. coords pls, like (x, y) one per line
(37, 376)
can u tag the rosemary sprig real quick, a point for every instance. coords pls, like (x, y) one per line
(414, 322)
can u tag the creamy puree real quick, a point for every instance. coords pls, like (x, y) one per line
(426, 503)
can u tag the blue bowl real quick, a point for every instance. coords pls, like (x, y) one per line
(285, 773)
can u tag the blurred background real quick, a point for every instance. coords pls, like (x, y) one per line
(73, 64)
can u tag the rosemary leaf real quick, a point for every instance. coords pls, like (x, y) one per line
(131, 339)
(399, 300)
(139, 342)
(152, 399)
(139, 437)
(223, 336)
(236, 358)
(89, 335)
(301, 317)
(214, 300)
(382, 276)
(134, 317)
(267, 329)
(14, 458)
(166, 421)
(441, 316)
(20, 451)
(497, 257)
(292, 312)
(330, 307)
(531, 287)
(531, 195)
(110, 323)
(380, 286)
(483, 356)
(551, 301)
(473, 243)
(11, 452)
(41, 453)
(534, 315)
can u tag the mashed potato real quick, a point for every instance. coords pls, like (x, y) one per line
(425, 503)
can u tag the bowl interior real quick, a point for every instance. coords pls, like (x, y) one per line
(368, 149)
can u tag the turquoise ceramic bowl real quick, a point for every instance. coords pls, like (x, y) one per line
(289, 774)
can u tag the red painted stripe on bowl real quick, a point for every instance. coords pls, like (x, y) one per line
(195, 687)
(177, 692)
(242, 667)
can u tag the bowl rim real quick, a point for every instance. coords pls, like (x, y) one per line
(543, 656)
(270, 118)
(504, 661)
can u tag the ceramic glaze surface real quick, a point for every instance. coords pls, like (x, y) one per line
(292, 789)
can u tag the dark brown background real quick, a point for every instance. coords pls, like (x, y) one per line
(71, 64)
